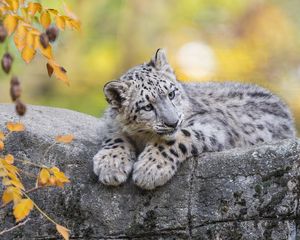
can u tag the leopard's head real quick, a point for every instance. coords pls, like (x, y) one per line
(148, 98)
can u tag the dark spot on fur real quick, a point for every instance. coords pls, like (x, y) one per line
(161, 148)
(118, 140)
(170, 142)
(164, 154)
(259, 94)
(205, 149)
(260, 126)
(172, 151)
(259, 140)
(213, 140)
(194, 150)
(182, 148)
(186, 132)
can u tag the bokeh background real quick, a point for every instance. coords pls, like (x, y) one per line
(253, 41)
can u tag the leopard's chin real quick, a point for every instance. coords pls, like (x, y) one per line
(167, 134)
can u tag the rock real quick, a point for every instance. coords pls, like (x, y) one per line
(238, 194)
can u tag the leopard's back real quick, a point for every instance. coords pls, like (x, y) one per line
(254, 113)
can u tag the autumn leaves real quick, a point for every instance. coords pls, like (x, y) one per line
(33, 28)
(26, 22)
(14, 190)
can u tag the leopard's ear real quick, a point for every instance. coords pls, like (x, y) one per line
(159, 61)
(115, 93)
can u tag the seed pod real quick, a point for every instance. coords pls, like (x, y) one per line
(6, 62)
(15, 88)
(52, 33)
(15, 92)
(14, 81)
(3, 33)
(44, 40)
(20, 108)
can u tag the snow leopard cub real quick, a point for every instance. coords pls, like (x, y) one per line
(156, 122)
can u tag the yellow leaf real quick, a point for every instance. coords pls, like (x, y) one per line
(13, 4)
(63, 231)
(73, 24)
(2, 137)
(13, 176)
(52, 181)
(55, 169)
(7, 197)
(44, 176)
(6, 181)
(34, 7)
(52, 11)
(10, 23)
(11, 168)
(19, 37)
(29, 39)
(47, 52)
(1, 145)
(28, 54)
(60, 73)
(11, 194)
(22, 209)
(45, 19)
(3, 173)
(15, 127)
(64, 138)
(60, 176)
(60, 22)
(9, 159)
(17, 184)
(24, 12)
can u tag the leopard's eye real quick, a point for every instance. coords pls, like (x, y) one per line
(147, 108)
(171, 95)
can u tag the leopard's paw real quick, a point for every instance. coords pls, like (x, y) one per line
(112, 167)
(149, 173)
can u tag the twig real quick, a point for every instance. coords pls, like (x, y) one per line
(47, 150)
(28, 191)
(14, 227)
(33, 189)
(27, 173)
(30, 163)
(41, 211)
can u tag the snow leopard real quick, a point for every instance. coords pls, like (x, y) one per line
(155, 122)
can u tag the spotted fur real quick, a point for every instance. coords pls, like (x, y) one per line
(156, 122)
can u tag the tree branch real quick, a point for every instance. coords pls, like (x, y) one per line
(14, 227)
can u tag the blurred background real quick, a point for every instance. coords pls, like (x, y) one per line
(253, 41)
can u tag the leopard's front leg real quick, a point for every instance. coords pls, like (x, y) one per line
(113, 163)
(159, 161)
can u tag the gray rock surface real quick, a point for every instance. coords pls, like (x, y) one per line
(237, 194)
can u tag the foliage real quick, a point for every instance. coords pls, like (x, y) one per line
(32, 28)
(26, 20)
(15, 191)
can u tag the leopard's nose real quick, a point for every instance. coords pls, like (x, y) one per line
(171, 124)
